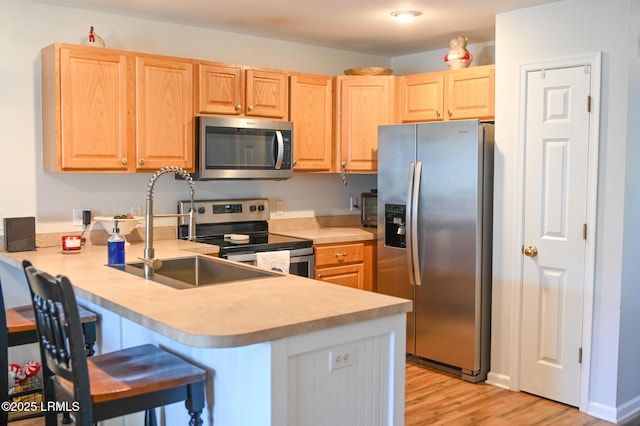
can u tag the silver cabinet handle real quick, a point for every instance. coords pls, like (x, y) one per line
(344, 254)
(238, 107)
(124, 161)
(141, 161)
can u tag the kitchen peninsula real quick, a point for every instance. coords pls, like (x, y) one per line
(282, 350)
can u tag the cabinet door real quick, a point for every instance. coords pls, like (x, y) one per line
(267, 94)
(86, 122)
(421, 97)
(220, 89)
(365, 102)
(165, 119)
(312, 116)
(471, 93)
(347, 275)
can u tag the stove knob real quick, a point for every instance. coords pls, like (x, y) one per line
(261, 207)
(201, 210)
(252, 208)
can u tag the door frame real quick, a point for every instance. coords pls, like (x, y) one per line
(594, 61)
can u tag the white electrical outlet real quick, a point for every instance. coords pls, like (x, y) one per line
(77, 217)
(354, 203)
(340, 358)
(1, 225)
(279, 207)
(136, 210)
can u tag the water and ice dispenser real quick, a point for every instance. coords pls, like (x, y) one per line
(395, 225)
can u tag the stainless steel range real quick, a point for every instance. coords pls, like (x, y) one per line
(240, 229)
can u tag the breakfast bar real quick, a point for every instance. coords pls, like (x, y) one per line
(278, 350)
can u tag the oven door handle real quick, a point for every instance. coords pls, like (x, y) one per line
(242, 257)
(297, 256)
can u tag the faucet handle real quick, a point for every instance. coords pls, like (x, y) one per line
(152, 263)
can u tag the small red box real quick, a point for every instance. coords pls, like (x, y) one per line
(71, 243)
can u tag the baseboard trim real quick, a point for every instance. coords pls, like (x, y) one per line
(499, 380)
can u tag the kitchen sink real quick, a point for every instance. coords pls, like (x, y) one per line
(196, 271)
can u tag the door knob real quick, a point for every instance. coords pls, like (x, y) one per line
(531, 251)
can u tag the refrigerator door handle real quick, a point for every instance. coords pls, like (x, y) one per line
(408, 223)
(414, 224)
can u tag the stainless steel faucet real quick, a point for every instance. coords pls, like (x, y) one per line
(149, 260)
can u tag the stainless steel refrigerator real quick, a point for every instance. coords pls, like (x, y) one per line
(435, 188)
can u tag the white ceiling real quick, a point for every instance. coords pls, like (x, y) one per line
(355, 25)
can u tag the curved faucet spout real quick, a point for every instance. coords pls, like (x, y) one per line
(150, 262)
(170, 169)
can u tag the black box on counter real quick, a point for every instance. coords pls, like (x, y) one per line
(19, 233)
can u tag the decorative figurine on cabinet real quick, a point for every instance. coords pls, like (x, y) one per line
(458, 57)
(94, 39)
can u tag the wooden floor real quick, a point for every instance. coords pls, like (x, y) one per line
(436, 398)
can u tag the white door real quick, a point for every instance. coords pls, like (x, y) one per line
(555, 206)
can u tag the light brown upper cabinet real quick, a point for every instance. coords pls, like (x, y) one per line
(312, 114)
(236, 90)
(86, 120)
(448, 95)
(105, 110)
(362, 104)
(164, 113)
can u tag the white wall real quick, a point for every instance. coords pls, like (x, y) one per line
(25, 190)
(630, 294)
(433, 60)
(556, 30)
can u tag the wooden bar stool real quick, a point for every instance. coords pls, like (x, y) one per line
(107, 385)
(19, 328)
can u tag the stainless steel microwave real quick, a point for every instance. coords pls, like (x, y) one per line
(244, 148)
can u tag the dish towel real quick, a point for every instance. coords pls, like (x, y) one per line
(274, 260)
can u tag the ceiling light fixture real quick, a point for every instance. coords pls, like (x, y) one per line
(405, 15)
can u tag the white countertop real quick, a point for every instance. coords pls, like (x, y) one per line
(223, 315)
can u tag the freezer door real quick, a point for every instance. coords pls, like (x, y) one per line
(396, 152)
(450, 231)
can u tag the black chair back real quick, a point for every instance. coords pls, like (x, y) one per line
(4, 359)
(60, 339)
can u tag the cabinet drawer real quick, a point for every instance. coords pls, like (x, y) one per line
(339, 254)
(347, 275)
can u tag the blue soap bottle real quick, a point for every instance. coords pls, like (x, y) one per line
(115, 247)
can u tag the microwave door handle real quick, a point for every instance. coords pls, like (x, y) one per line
(280, 153)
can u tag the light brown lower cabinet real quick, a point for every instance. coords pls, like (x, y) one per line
(351, 264)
